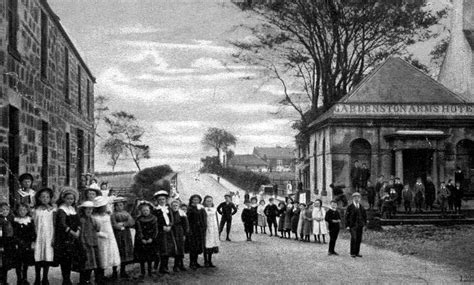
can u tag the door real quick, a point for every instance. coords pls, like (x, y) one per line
(80, 155)
(416, 163)
(13, 151)
(45, 153)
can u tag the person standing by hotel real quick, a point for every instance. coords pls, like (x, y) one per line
(450, 187)
(457, 197)
(226, 209)
(459, 176)
(407, 198)
(355, 176)
(419, 194)
(371, 195)
(364, 176)
(430, 193)
(398, 185)
(443, 195)
(356, 218)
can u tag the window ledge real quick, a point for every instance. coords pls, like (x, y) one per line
(14, 53)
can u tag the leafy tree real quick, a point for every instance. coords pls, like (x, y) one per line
(148, 181)
(219, 140)
(124, 127)
(210, 164)
(115, 148)
(327, 46)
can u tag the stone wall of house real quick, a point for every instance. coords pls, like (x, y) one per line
(46, 97)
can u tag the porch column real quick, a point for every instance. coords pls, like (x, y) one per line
(399, 164)
(434, 170)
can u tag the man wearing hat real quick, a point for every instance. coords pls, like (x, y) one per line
(356, 218)
(226, 209)
(26, 194)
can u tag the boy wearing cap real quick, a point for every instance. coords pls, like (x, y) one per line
(226, 209)
(271, 211)
(356, 218)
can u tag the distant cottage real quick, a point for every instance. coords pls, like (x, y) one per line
(248, 162)
(279, 159)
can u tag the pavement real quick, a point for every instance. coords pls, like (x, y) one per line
(271, 260)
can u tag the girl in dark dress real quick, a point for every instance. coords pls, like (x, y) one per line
(295, 218)
(7, 242)
(89, 243)
(25, 236)
(165, 239)
(197, 228)
(67, 248)
(287, 220)
(254, 208)
(180, 229)
(281, 220)
(122, 221)
(145, 238)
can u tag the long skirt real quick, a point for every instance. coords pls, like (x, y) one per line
(307, 227)
(262, 221)
(281, 223)
(125, 245)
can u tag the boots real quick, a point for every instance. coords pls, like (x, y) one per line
(209, 260)
(164, 265)
(181, 264)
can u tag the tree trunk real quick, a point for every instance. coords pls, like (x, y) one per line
(219, 155)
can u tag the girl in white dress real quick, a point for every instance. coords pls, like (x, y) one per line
(109, 255)
(319, 224)
(212, 231)
(262, 219)
(43, 216)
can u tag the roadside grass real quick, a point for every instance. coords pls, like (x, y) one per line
(449, 245)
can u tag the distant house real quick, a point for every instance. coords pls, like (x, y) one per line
(279, 159)
(248, 162)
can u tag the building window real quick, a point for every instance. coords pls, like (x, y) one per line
(79, 91)
(88, 99)
(44, 45)
(89, 155)
(66, 75)
(68, 159)
(13, 27)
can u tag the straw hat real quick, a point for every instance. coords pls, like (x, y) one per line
(100, 202)
(356, 194)
(68, 190)
(161, 193)
(87, 204)
(119, 200)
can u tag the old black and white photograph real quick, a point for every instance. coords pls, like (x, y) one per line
(236, 142)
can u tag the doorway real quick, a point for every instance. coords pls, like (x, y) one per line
(416, 163)
(45, 153)
(80, 154)
(13, 151)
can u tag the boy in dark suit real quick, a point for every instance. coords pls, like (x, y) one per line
(356, 218)
(226, 209)
(248, 220)
(333, 219)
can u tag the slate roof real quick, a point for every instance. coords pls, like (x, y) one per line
(397, 81)
(274, 152)
(247, 160)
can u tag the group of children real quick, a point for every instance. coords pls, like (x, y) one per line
(89, 232)
(303, 220)
(393, 193)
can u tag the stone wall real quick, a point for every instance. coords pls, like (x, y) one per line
(45, 97)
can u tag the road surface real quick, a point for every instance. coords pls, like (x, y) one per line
(270, 260)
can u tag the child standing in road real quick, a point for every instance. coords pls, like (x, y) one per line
(308, 222)
(295, 218)
(333, 219)
(262, 219)
(281, 218)
(180, 229)
(254, 208)
(25, 236)
(89, 242)
(7, 242)
(44, 224)
(247, 220)
(122, 221)
(319, 223)
(212, 231)
(145, 238)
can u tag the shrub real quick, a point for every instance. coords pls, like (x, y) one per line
(149, 180)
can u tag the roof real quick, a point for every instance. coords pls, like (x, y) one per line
(274, 152)
(247, 160)
(57, 22)
(397, 81)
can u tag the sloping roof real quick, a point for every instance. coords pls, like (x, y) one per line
(397, 81)
(274, 152)
(247, 160)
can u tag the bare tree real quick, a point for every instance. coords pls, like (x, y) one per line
(100, 111)
(327, 46)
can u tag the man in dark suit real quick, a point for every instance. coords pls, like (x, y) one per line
(356, 218)
(226, 209)
(355, 176)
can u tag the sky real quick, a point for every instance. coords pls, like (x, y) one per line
(169, 62)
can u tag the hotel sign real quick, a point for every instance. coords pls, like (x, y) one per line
(367, 109)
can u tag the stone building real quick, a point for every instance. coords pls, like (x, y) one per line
(399, 121)
(279, 159)
(46, 99)
(248, 162)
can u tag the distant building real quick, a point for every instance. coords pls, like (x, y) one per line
(248, 162)
(46, 100)
(279, 159)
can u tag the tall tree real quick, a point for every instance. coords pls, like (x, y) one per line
(327, 46)
(124, 127)
(100, 111)
(115, 148)
(218, 139)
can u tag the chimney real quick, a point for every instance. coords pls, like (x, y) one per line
(457, 71)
